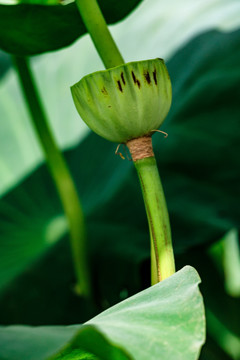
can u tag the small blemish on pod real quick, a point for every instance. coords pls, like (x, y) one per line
(104, 91)
(147, 77)
(134, 77)
(119, 86)
(155, 76)
(135, 80)
(122, 77)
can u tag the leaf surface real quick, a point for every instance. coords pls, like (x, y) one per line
(165, 320)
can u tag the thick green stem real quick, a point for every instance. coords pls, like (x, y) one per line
(60, 174)
(162, 258)
(98, 30)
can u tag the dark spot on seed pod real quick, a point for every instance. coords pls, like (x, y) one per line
(155, 76)
(134, 77)
(147, 77)
(109, 106)
(122, 77)
(104, 91)
(119, 86)
(136, 81)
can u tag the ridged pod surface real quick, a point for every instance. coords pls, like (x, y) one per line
(125, 102)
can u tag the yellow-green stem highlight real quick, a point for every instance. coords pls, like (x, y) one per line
(98, 30)
(162, 258)
(60, 174)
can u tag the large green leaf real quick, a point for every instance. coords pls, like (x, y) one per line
(41, 343)
(49, 226)
(166, 320)
(200, 163)
(25, 34)
(5, 63)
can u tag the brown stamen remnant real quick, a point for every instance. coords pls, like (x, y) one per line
(160, 131)
(118, 152)
(140, 148)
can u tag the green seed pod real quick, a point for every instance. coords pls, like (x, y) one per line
(125, 102)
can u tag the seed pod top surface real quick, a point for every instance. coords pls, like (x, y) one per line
(124, 102)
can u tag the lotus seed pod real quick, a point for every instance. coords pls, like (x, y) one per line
(124, 102)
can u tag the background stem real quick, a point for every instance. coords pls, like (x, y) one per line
(98, 30)
(60, 174)
(162, 259)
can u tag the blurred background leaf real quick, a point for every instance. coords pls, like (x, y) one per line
(5, 63)
(33, 2)
(24, 33)
(226, 256)
(222, 309)
(200, 162)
